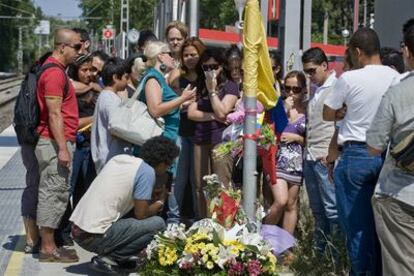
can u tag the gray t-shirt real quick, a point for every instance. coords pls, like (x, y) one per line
(392, 122)
(104, 146)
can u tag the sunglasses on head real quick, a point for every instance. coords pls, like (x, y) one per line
(167, 53)
(76, 47)
(310, 71)
(294, 89)
(209, 67)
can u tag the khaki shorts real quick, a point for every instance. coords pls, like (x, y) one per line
(54, 184)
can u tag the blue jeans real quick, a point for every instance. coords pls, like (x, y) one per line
(173, 212)
(185, 172)
(125, 238)
(355, 178)
(322, 200)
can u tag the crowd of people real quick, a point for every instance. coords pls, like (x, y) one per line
(111, 197)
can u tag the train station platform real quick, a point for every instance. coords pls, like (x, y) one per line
(13, 261)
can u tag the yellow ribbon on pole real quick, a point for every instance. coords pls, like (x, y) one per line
(258, 75)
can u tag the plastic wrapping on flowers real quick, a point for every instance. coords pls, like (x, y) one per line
(207, 248)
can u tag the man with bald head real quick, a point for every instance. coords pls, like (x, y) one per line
(58, 111)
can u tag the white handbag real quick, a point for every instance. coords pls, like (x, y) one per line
(132, 122)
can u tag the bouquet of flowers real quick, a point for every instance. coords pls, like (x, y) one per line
(224, 202)
(267, 150)
(207, 248)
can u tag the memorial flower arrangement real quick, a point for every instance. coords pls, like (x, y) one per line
(207, 248)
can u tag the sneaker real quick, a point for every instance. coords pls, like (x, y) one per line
(59, 255)
(104, 265)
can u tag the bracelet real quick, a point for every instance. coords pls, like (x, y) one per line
(212, 94)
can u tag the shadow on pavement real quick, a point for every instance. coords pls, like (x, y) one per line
(82, 269)
(13, 245)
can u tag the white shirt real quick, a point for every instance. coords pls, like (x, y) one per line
(330, 81)
(109, 197)
(361, 90)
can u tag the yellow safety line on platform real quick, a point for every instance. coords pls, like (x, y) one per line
(16, 260)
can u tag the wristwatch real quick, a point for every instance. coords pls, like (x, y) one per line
(212, 94)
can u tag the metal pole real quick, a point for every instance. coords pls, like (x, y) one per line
(194, 17)
(264, 8)
(356, 15)
(20, 52)
(250, 157)
(249, 146)
(325, 27)
(365, 12)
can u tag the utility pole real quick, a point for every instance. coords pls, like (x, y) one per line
(20, 52)
(124, 26)
(325, 26)
(365, 12)
(194, 17)
(356, 15)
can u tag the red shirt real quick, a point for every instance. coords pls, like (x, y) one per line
(51, 84)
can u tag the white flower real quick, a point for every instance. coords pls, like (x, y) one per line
(175, 231)
(224, 256)
(234, 232)
(151, 248)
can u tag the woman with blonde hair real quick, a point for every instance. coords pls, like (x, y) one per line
(161, 99)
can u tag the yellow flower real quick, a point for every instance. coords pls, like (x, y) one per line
(210, 265)
(205, 258)
(167, 255)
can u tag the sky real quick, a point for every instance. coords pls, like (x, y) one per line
(67, 8)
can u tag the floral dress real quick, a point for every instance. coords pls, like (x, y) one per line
(290, 156)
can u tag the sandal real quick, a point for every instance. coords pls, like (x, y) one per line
(32, 248)
(59, 255)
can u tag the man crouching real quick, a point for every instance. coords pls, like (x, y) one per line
(126, 183)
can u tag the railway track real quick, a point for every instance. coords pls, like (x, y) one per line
(9, 88)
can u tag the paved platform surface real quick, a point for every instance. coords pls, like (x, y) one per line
(12, 259)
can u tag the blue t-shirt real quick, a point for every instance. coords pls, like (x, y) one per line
(144, 182)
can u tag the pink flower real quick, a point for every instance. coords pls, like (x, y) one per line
(236, 269)
(254, 267)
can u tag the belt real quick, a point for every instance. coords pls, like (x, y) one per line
(79, 235)
(356, 143)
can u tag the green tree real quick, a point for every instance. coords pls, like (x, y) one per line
(109, 12)
(341, 14)
(10, 29)
(215, 14)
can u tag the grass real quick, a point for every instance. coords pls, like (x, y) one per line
(307, 260)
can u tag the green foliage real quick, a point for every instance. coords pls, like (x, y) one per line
(109, 11)
(340, 14)
(10, 30)
(310, 262)
(215, 14)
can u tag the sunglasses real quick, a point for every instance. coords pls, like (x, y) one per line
(294, 89)
(76, 47)
(310, 71)
(209, 67)
(167, 53)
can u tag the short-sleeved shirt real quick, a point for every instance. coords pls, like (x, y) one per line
(103, 145)
(210, 132)
(392, 122)
(51, 84)
(124, 178)
(361, 90)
